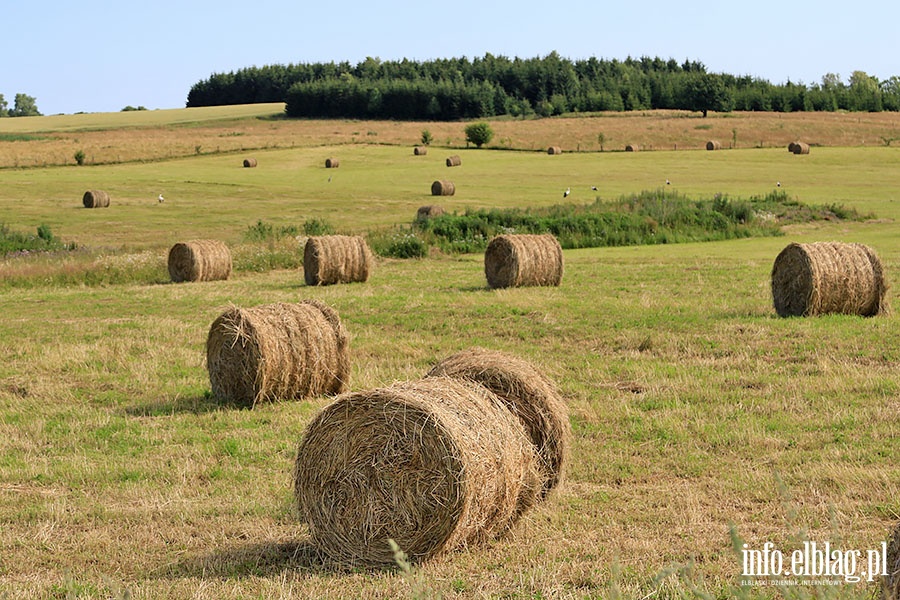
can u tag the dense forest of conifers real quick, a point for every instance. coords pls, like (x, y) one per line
(460, 88)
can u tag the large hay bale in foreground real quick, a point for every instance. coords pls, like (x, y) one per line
(199, 260)
(517, 260)
(554, 150)
(277, 351)
(330, 259)
(427, 212)
(528, 394)
(828, 277)
(800, 148)
(420, 150)
(632, 148)
(435, 465)
(95, 199)
(891, 583)
(332, 163)
(713, 145)
(249, 163)
(443, 188)
(454, 161)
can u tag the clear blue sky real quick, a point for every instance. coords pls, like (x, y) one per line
(98, 56)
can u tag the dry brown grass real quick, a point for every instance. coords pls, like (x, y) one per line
(517, 260)
(277, 351)
(199, 260)
(651, 130)
(828, 277)
(434, 465)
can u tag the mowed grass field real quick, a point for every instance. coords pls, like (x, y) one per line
(700, 419)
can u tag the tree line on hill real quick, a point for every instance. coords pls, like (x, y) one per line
(25, 106)
(460, 88)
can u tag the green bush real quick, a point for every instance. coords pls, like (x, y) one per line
(479, 134)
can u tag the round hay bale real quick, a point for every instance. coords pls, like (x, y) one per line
(332, 163)
(330, 259)
(454, 161)
(517, 260)
(420, 150)
(249, 163)
(95, 199)
(436, 464)
(632, 148)
(791, 147)
(529, 395)
(554, 150)
(443, 188)
(801, 148)
(427, 212)
(713, 145)
(828, 277)
(891, 587)
(199, 260)
(284, 351)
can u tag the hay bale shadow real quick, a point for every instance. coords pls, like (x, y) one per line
(197, 405)
(259, 559)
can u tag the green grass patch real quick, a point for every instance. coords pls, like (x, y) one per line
(649, 217)
(43, 240)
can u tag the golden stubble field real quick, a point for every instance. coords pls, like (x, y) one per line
(154, 135)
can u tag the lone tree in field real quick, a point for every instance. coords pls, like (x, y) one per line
(705, 92)
(479, 134)
(26, 106)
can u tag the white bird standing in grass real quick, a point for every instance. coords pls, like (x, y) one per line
(161, 199)
(594, 187)
(567, 192)
(668, 182)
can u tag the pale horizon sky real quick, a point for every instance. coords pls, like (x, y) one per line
(100, 56)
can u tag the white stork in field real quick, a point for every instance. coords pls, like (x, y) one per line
(567, 192)
(161, 199)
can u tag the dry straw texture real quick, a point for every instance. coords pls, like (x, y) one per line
(199, 260)
(249, 162)
(443, 188)
(528, 394)
(95, 199)
(454, 161)
(554, 150)
(427, 212)
(420, 150)
(435, 465)
(331, 259)
(892, 581)
(517, 260)
(332, 163)
(799, 148)
(828, 277)
(713, 145)
(277, 351)
(632, 148)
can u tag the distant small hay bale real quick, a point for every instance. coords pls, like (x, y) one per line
(330, 259)
(249, 163)
(529, 395)
(427, 212)
(95, 199)
(632, 148)
(800, 148)
(554, 150)
(828, 277)
(436, 465)
(518, 260)
(791, 147)
(713, 145)
(420, 150)
(454, 161)
(332, 163)
(891, 583)
(199, 260)
(277, 351)
(443, 188)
